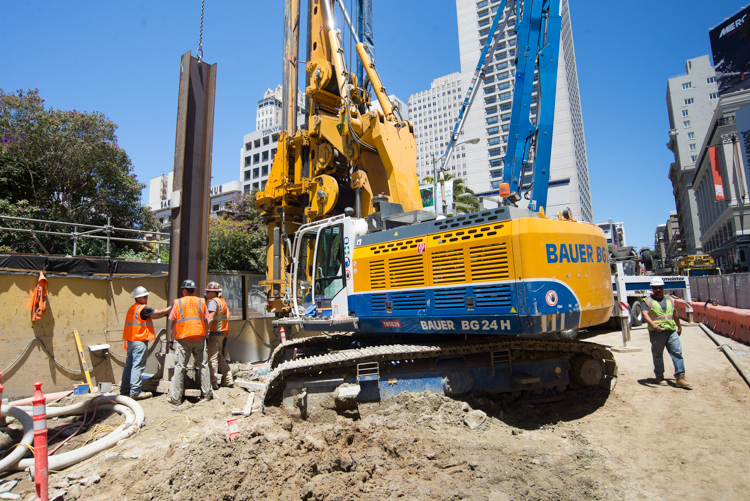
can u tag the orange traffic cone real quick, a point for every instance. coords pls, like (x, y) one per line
(282, 334)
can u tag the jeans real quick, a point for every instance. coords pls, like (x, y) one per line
(182, 351)
(670, 340)
(135, 362)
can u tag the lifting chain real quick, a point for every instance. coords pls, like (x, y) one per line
(199, 52)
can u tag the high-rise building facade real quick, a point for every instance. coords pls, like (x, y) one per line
(691, 101)
(434, 113)
(489, 118)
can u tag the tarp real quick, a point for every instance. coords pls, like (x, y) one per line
(78, 266)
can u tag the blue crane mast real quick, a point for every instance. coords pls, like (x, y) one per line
(529, 140)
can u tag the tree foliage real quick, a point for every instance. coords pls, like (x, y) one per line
(237, 239)
(65, 166)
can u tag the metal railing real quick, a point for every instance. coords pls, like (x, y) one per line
(89, 232)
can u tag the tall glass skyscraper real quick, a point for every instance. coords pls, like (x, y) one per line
(481, 165)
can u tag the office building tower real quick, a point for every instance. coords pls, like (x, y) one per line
(691, 101)
(434, 113)
(489, 117)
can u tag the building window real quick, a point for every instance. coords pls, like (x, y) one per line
(247, 160)
(684, 113)
(714, 95)
(495, 184)
(691, 135)
(265, 156)
(493, 130)
(687, 85)
(492, 120)
(248, 146)
(692, 147)
(256, 158)
(498, 162)
(493, 141)
(494, 174)
(495, 152)
(256, 172)
(689, 100)
(215, 208)
(693, 158)
(264, 170)
(247, 175)
(490, 100)
(710, 79)
(686, 123)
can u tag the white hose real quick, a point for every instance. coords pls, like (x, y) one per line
(28, 435)
(126, 406)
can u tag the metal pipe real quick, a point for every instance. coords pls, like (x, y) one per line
(276, 253)
(79, 225)
(358, 201)
(290, 68)
(728, 352)
(337, 52)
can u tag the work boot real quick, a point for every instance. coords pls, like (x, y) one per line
(661, 381)
(142, 395)
(174, 402)
(682, 382)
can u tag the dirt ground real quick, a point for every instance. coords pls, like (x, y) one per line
(642, 442)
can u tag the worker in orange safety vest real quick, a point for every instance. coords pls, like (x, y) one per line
(218, 329)
(136, 333)
(188, 318)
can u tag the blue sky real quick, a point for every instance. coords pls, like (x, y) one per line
(122, 58)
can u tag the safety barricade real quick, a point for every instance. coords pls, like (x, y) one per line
(725, 320)
(698, 311)
(709, 317)
(679, 305)
(742, 330)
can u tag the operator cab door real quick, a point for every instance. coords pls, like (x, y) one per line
(320, 268)
(329, 280)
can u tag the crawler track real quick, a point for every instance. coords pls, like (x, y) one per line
(331, 358)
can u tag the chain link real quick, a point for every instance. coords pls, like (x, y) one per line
(199, 52)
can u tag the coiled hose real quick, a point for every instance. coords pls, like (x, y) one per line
(126, 406)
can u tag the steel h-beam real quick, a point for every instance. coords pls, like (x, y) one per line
(188, 256)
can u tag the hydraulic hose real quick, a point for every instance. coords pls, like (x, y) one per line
(28, 436)
(126, 406)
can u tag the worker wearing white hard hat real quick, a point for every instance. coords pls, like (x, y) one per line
(664, 331)
(136, 333)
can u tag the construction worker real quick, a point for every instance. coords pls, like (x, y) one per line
(188, 318)
(138, 331)
(218, 330)
(664, 330)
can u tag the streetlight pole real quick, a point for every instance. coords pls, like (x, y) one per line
(445, 157)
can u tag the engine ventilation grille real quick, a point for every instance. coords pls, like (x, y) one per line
(448, 267)
(489, 262)
(416, 300)
(378, 302)
(377, 275)
(493, 296)
(450, 298)
(407, 271)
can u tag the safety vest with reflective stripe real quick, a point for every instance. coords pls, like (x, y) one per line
(221, 320)
(135, 328)
(663, 319)
(190, 318)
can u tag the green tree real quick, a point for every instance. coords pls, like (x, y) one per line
(65, 166)
(237, 239)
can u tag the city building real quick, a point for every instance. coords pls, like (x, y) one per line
(721, 185)
(160, 191)
(691, 100)
(259, 150)
(614, 232)
(481, 165)
(673, 241)
(434, 113)
(660, 236)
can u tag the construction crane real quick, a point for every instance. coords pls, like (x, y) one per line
(487, 302)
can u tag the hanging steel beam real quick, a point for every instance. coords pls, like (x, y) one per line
(188, 257)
